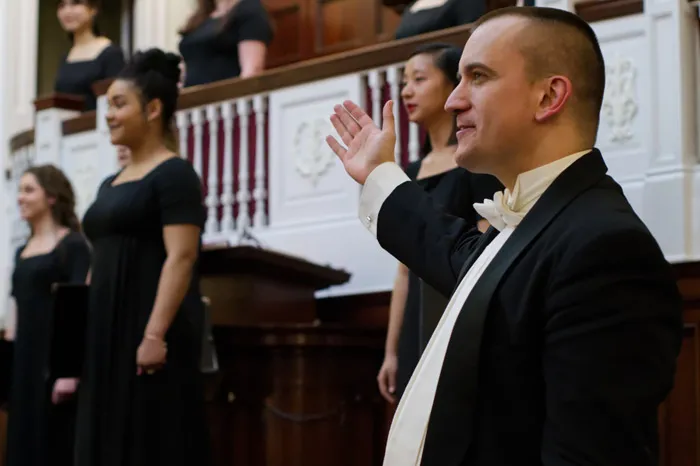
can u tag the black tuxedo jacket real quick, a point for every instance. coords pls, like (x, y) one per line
(568, 342)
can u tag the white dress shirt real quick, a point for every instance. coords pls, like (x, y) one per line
(410, 424)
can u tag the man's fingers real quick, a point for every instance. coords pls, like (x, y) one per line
(341, 130)
(351, 126)
(359, 115)
(335, 146)
(388, 117)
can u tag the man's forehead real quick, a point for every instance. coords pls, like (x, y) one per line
(494, 39)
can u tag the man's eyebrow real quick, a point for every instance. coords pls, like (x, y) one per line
(470, 67)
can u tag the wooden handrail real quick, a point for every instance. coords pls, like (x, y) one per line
(58, 100)
(599, 10)
(23, 139)
(319, 68)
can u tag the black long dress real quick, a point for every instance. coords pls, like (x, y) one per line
(125, 419)
(455, 191)
(39, 432)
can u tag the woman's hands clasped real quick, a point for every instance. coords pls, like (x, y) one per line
(366, 146)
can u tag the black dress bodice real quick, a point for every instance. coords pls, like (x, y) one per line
(451, 13)
(210, 51)
(38, 432)
(77, 77)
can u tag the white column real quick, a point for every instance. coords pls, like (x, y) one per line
(48, 134)
(672, 187)
(106, 151)
(157, 22)
(5, 92)
(20, 25)
(177, 13)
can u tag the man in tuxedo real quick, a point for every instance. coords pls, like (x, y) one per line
(561, 336)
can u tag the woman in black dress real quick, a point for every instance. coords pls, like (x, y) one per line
(141, 398)
(423, 16)
(42, 409)
(91, 58)
(430, 76)
(225, 39)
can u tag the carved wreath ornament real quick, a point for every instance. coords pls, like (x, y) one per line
(312, 157)
(620, 104)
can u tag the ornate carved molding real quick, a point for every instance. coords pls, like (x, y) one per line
(620, 102)
(312, 157)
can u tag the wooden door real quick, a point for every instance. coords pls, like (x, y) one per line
(306, 29)
(293, 32)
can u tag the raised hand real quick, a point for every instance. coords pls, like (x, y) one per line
(366, 146)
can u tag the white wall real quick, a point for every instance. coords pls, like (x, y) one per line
(18, 78)
(19, 26)
(156, 22)
(5, 262)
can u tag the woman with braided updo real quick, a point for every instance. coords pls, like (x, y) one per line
(141, 401)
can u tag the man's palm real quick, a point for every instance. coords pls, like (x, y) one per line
(367, 145)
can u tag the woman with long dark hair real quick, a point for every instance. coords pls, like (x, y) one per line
(42, 409)
(430, 75)
(92, 57)
(141, 399)
(225, 39)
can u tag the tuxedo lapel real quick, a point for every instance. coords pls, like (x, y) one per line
(451, 419)
(483, 242)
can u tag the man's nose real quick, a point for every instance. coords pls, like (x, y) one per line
(458, 101)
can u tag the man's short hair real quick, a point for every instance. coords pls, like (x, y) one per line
(560, 42)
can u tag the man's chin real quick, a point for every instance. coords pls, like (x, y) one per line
(467, 159)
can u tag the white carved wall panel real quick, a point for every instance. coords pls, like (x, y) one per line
(163, 33)
(81, 163)
(307, 182)
(313, 203)
(624, 135)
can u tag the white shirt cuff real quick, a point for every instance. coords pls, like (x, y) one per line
(378, 186)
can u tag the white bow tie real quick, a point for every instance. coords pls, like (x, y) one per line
(497, 211)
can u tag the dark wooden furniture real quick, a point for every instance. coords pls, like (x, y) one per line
(304, 393)
(291, 390)
(307, 29)
(679, 416)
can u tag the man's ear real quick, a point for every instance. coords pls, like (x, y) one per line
(556, 91)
